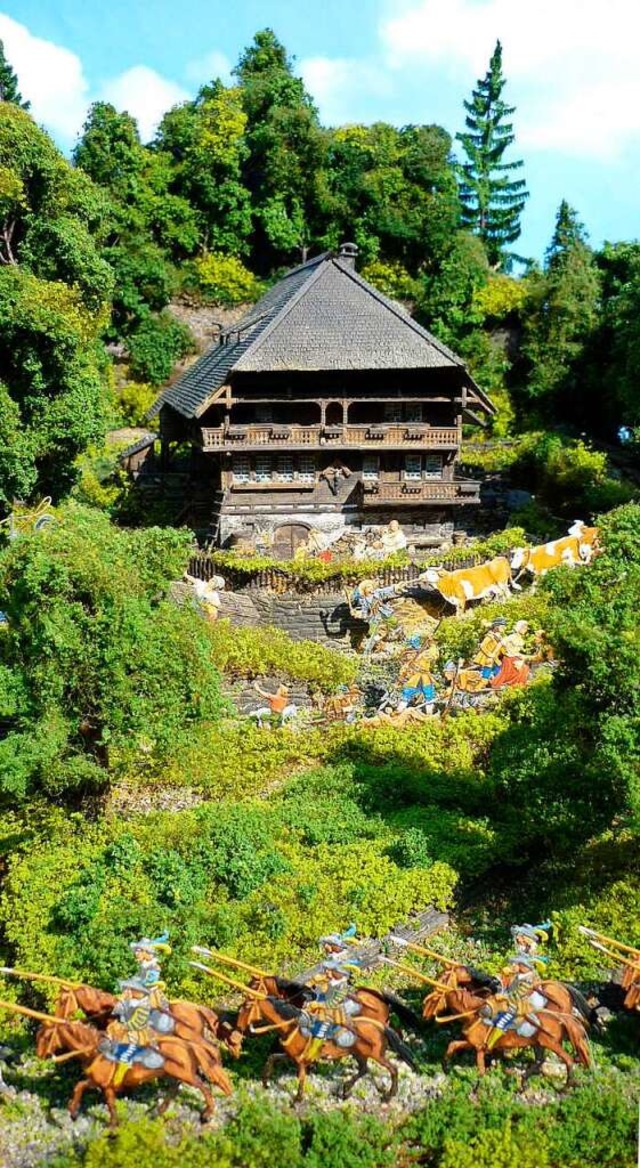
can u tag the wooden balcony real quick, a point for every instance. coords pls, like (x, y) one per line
(404, 436)
(434, 491)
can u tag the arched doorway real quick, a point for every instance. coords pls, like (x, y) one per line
(287, 539)
(334, 414)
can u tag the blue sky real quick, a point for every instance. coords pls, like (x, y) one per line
(571, 65)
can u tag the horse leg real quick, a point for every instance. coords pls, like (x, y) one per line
(170, 1094)
(481, 1060)
(455, 1047)
(302, 1078)
(269, 1065)
(76, 1098)
(393, 1073)
(557, 1048)
(349, 1084)
(110, 1100)
(534, 1068)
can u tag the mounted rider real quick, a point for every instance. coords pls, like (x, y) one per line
(521, 981)
(142, 1011)
(325, 1017)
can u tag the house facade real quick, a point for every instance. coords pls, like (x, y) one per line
(327, 406)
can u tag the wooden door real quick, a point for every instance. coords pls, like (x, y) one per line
(287, 538)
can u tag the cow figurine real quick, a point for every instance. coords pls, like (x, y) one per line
(540, 560)
(588, 539)
(464, 584)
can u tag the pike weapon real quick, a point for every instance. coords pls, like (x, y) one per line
(415, 973)
(609, 940)
(66, 983)
(422, 949)
(232, 961)
(236, 985)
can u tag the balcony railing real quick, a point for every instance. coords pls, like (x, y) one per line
(434, 491)
(407, 436)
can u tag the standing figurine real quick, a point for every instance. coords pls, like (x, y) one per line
(419, 683)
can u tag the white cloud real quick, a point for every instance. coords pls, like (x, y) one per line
(336, 84)
(573, 63)
(145, 95)
(51, 78)
(208, 68)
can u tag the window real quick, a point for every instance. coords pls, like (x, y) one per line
(307, 468)
(433, 466)
(393, 412)
(413, 412)
(263, 468)
(370, 468)
(264, 414)
(412, 467)
(285, 468)
(241, 469)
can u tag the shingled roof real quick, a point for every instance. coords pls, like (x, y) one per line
(320, 316)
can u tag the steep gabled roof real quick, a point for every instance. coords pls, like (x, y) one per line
(319, 316)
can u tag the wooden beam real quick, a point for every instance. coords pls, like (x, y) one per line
(224, 391)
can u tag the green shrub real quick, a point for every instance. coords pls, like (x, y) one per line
(391, 278)
(134, 399)
(221, 279)
(156, 344)
(495, 1149)
(253, 652)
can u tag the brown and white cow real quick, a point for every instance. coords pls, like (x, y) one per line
(464, 584)
(540, 560)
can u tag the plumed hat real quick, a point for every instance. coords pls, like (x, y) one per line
(536, 932)
(153, 945)
(339, 938)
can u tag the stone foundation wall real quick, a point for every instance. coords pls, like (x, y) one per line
(324, 618)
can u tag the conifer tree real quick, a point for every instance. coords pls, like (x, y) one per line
(9, 83)
(492, 200)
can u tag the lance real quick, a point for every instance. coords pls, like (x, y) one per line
(28, 1013)
(455, 1017)
(609, 940)
(47, 977)
(415, 973)
(616, 956)
(422, 949)
(236, 985)
(233, 961)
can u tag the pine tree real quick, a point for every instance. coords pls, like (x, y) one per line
(492, 201)
(568, 234)
(9, 83)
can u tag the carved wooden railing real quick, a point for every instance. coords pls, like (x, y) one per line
(436, 491)
(417, 436)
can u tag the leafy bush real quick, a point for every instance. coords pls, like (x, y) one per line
(391, 278)
(156, 344)
(221, 279)
(134, 400)
(250, 652)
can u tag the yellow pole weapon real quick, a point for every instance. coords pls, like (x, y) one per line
(455, 1017)
(233, 961)
(236, 985)
(609, 940)
(415, 973)
(47, 977)
(28, 1013)
(422, 949)
(616, 956)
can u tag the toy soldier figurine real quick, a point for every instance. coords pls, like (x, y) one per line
(521, 980)
(417, 676)
(491, 649)
(142, 1012)
(330, 986)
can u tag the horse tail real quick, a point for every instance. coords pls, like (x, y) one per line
(587, 1012)
(577, 1036)
(404, 1012)
(211, 1069)
(400, 1048)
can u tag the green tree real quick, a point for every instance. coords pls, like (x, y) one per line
(560, 316)
(96, 661)
(492, 199)
(203, 143)
(9, 82)
(285, 152)
(392, 191)
(612, 356)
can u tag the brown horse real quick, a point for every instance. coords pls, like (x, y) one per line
(193, 1022)
(561, 998)
(371, 1042)
(190, 1063)
(553, 1028)
(376, 1004)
